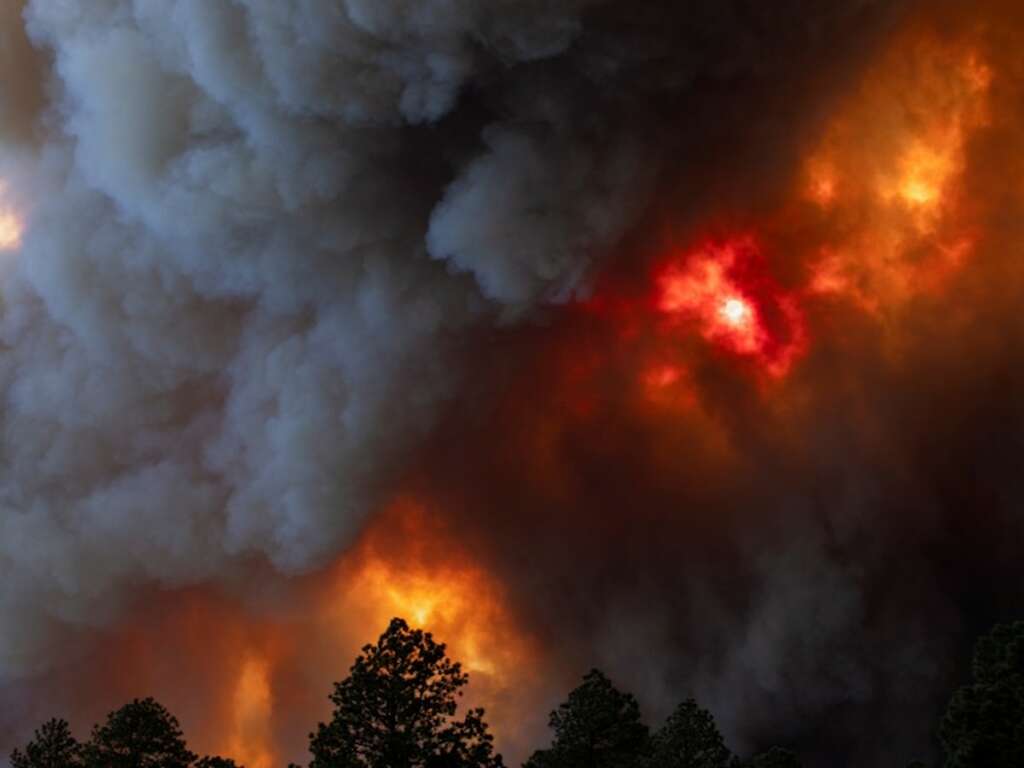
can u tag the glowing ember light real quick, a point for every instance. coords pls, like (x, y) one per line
(251, 716)
(453, 598)
(669, 386)
(899, 147)
(824, 191)
(662, 376)
(410, 564)
(10, 223)
(736, 312)
(926, 171)
(977, 73)
(704, 290)
(822, 183)
(827, 275)
(918, 192)
(10, 231)
(451, 601)
(726, 291)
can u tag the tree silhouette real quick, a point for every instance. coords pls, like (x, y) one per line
(141, 734)
(52, 746)
(396, 709)
(216, 762)
(984, 724)
(597, 727)
(776, 757)
(689, 739)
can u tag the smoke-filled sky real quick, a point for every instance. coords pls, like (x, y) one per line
(679, 339)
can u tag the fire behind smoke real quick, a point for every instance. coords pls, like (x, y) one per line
(666, 444)
(250, 682)
(878, 220)
(612, 496)
(407, 565)
(10, 222)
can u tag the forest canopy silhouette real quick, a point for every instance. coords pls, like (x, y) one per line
(399, 708)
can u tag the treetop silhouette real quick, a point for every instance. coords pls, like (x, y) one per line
(52, 746)
(689, 739)
(984, 724)
(141, 734)
(597, 727)
(397, 708)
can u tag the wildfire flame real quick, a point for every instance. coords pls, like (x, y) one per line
(252, 710)
(420, 579)
(885, 175)
(404, 565)
(883, 178)
(736, 312)
(726, 291)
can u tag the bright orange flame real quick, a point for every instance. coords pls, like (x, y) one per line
(897, 150)
(265, 671)
(252, 710)
(455, 602)
(923, 173)
(409, 565)
(446, 594)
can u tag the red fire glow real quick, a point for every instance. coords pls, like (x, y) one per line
(725, 291)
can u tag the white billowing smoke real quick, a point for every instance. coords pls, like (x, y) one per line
(243, 266)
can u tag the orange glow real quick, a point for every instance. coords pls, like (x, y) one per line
(433, 588)
(409, 564)
(252, 710)
(455, 599)
(925, 172)
(822, 187)
(897, 149)
(242, 681)
(11, 226)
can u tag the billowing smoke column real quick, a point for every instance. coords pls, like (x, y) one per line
(682, 339)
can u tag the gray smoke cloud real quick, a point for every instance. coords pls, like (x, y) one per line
(226, 324)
